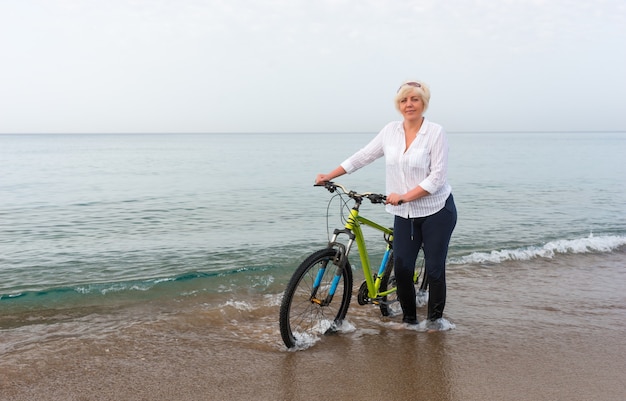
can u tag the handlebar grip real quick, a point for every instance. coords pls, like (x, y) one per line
(323, 184)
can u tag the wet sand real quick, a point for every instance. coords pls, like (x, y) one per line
(553, 331)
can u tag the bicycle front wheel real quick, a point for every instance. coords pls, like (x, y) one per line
(316, 299)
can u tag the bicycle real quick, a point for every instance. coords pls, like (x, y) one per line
(307, 309)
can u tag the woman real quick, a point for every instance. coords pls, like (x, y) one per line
(419, 196)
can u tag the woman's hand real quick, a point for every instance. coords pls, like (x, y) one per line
(394, 199)
(322, 178)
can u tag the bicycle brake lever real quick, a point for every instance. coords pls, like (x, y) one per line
(377, 198)
(328, 185)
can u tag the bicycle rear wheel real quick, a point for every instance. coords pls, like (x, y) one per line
(308, 310)
(390, 305)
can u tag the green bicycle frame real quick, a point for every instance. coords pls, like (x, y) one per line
(354, 231)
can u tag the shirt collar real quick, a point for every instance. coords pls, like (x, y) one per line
(423, 129)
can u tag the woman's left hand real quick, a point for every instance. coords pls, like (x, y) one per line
(394, 199)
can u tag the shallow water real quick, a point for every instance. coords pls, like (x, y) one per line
(534, 327)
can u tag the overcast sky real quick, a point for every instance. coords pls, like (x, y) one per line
(73, 66)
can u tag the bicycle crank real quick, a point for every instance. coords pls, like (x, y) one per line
(364, 297)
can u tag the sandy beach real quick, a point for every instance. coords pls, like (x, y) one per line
(551, 332)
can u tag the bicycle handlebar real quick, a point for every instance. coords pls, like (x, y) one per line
(373, 197)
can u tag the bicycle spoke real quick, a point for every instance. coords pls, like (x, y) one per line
(308, 312)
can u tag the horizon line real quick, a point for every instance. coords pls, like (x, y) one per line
(313, 132)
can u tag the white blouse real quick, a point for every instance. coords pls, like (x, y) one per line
(424, 163)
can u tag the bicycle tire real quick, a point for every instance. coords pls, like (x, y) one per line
(300, 317)
(390, 305)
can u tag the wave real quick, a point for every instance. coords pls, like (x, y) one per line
(260, 279)
(582, 245)
(181, 284)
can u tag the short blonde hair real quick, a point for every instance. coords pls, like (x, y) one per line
(413, 87)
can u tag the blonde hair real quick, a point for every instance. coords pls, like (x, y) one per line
(413, 87)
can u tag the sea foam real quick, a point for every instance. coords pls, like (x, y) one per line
(548, 250)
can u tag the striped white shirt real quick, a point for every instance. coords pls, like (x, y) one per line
(425, 163)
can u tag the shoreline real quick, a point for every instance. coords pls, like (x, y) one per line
(550, 331)
(455, 365)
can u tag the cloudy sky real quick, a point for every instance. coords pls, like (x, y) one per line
(76, 66)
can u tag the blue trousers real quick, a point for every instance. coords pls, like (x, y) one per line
(432, 233)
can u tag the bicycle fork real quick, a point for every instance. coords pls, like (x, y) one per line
(341, 256)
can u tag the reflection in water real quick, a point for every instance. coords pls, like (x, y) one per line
(423, 368)
(374, 364)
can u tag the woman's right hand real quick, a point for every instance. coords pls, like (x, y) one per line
(322, 178)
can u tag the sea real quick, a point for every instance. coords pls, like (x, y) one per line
(103, 232)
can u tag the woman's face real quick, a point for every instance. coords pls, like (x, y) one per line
(411, 106)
